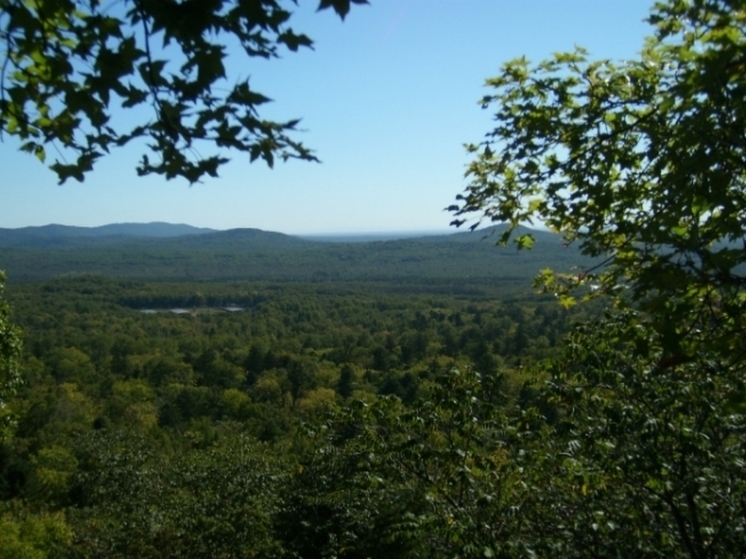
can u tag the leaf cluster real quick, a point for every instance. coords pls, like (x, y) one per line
(639, 163)
(66, 67)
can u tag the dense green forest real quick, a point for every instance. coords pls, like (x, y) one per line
(160, 434)
(244, 394)
(189, 418)
(240, 254)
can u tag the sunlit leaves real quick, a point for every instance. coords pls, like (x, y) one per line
(10, 351)
(641, 163)
(67, 66)
(35, 536)
(646, 451)
(431, 480)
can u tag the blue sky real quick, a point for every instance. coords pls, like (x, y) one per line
(388, 98)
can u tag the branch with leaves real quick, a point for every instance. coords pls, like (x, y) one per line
(640, 163)
(67, 66)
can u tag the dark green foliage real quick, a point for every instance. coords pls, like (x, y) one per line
(67, 63)
(14, 472)
(220, 434)
(434, 479)
(641, 164)
(134, 498)
(616, 456)
(10, 351)
(127, 417)
(346, 381)
(646, 458)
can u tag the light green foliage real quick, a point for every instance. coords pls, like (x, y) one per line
(317, 401)
(234, 404)
(66, 65)
(71, 364)
(10, 351)
(148, 442)
(132, 404)
(44, 536)
(53, 467)
(639, 163)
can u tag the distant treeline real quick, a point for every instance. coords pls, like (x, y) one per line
(257, 255)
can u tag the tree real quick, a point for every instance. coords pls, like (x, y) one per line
(346, 381)
(67, 64)
(38, 536)
(433, 479)
(634, 445)
(10, 351)
(136, 499)
(640, 163)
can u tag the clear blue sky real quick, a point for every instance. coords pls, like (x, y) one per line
(388, 98)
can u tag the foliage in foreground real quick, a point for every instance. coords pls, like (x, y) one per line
(66, 63)
(640, 163)
(625, 459)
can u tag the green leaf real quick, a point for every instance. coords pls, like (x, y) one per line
(525, 241)
(342, 7)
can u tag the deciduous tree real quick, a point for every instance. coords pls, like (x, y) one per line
(640, 163)
(67, 65)
(634, 445)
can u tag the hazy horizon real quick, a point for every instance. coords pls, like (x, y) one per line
(387, 100)
(298, 234)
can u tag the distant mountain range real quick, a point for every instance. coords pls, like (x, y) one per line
(162, 251)
(57, 234)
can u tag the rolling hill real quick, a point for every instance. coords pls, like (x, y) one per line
(60, 235)
(179, 252)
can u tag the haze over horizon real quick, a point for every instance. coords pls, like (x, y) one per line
(355, 236)
(387, 98)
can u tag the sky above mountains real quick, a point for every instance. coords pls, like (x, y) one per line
(387, 98)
